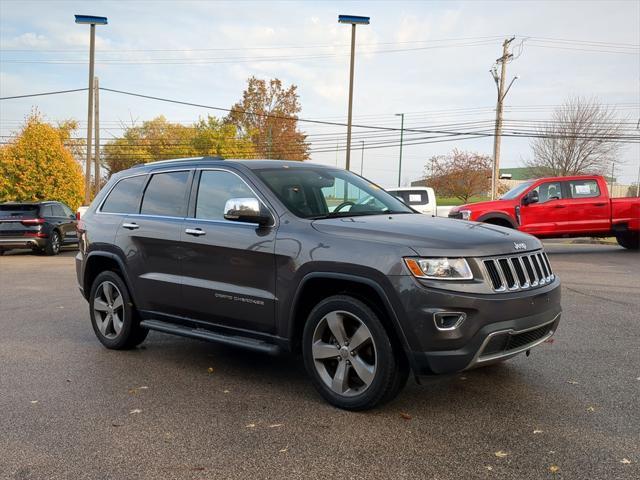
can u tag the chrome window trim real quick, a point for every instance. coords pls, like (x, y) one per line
(274, 217)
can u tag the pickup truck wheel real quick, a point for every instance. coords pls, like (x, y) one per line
(113, 316)
(349, 356)
(630, 240)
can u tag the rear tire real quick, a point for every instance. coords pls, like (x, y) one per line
(53, 245)
(113, 316)
(349, 356)
(629, 240)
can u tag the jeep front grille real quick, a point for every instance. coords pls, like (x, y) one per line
(518, 272)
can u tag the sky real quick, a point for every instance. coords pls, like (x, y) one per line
(427, 59)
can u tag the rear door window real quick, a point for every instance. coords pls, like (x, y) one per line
(583, 188)
(413, 197)
(166, 195)
(57, 210)
(125, 196)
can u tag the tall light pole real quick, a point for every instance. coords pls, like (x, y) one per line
(401, 115)
(92, 21)
(502, 93)
(353, 20)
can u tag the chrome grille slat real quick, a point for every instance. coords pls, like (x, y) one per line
(518, 272)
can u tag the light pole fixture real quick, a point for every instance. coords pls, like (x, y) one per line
(92, 21)
(353, 21)
(401, 115)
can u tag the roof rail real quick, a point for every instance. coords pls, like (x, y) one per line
(170, 160)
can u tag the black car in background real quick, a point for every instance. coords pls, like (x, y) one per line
(42, 226)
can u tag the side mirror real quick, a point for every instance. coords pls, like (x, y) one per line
(247, 210)
(531, 197)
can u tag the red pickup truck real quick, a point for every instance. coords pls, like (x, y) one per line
(561, 207)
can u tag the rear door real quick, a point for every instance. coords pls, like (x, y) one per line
(228, 267)
(589, 211)
(549, 215)
(64, 221)
(150, 241)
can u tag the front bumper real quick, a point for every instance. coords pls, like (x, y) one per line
(22, 242)
(496, 327)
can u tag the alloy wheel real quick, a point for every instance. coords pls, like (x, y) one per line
(55, 242)
(108, 309)
(344, 353)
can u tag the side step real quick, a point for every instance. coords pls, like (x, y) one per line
(202, 334)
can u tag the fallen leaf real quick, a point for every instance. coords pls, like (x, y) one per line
(625, 461)
(251, 425)
(134, 411)
(210, 369)
(406, 416)
(275, 425)
(572, 382)
(132, 391)
(197, 469)
(554, 469)
(225, 391)
(489, 467)
(114, 424)
(501, 454)
(537, 431)
(591, 409)
(284, 450)
(34, 402)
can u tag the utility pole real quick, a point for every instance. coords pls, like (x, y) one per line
(353, 20)
(638, 184)
(96, 155)
(87, 170)
(92, 21)
(362, 159)
(502, 93)
(401, 115)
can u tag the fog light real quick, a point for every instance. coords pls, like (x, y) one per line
(448, 320)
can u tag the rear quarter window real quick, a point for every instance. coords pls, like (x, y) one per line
(125, 196)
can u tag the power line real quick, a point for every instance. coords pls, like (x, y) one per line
(45, 93)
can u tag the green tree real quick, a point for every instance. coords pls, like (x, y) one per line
(215, 138)
(38, 164)
(267, 114)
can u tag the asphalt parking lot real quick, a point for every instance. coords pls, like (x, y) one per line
(179, 408)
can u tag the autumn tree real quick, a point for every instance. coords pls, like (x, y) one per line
(38, 164)
(267, 114)
(159, 139)
(580, 138)
(459, 174)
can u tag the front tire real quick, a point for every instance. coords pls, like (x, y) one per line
(349, 356)
(629, 240)
(113, 316)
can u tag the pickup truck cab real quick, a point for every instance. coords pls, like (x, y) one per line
(422, 199)
(577, 206)
(279, 256)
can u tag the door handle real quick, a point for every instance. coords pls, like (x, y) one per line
(196, 232)
(599, 204)
(559, 206)
(130, 226)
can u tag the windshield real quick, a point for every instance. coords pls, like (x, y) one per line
(324, 192)
(516, 191)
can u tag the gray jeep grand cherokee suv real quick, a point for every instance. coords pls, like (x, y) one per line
(287, 256)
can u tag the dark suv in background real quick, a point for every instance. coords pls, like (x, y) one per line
(287, 256)
(44, 227)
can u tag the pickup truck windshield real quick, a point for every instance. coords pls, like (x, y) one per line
(322, 193)
(516, 191)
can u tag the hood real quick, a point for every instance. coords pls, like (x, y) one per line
(430, 236)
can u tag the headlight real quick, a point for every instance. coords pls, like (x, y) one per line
(439, 268)
(466, 214)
